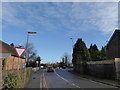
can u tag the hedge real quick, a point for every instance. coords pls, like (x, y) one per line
(16, 80)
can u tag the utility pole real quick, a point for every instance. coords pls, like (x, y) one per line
(72, 48)
(27, 54)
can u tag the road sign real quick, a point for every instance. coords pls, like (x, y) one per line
(19, 51)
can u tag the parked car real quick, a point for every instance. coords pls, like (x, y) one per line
(50, 69)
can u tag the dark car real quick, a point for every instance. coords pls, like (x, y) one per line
(64, 67)
(50, 69)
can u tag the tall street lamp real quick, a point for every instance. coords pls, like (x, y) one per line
(27, 54)
(72, 47)
(72, 43)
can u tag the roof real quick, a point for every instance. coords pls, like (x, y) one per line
(4, 55)
(116, 32)
(6, 48)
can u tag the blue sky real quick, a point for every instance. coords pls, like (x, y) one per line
(56, 22)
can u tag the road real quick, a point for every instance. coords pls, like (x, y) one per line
(62, 79)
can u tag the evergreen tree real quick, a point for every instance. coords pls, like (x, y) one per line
(94, 52)
(103, 53)
(80, 52)
(12, 44)
(39, 60)
(80, 56)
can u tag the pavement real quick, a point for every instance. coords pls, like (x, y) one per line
(114, 83)
(62, 79)
(34, 81)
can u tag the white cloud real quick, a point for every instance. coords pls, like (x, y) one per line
(75, 17)
(60, 0)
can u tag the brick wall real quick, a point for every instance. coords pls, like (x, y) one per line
(11, 62)
(0, 73)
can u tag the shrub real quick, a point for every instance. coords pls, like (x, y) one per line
(28, 74)
(12, 81)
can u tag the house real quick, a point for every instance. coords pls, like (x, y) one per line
(113, 46)
(9, 57)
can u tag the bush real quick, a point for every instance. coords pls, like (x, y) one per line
(17, 79)
(28, 74)
(12, 81)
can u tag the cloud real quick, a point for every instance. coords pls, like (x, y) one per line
(72, 17)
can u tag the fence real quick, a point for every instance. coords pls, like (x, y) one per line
(103, 69)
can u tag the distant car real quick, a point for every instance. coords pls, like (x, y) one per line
(50, 69)
(64, 67)
(42, 67)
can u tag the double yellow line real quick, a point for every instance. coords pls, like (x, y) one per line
(43, 83)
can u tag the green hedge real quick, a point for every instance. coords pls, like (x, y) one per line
(28, 74)
(14, 80)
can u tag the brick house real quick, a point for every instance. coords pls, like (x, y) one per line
(113, 46)
(9, 57)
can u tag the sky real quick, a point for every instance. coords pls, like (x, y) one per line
(57, 22)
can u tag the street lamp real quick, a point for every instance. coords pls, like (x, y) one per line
(72, 42)
(27, 54)
(72, 47)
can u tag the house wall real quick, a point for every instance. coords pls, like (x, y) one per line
(11, 62)
(118, 46)
(113, 48)
(0, 73)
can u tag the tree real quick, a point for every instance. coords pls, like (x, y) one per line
(94, 52)
(80, 56)
(39, 60)
(12, 44)
(32, 54)
(66, 57)
(103, 53)
(80, 51)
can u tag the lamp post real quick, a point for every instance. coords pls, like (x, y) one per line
(72, 47)
(72, 43)
(27, 54)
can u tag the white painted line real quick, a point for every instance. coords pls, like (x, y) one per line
(67, 80)
(44, 80)
(41, 81)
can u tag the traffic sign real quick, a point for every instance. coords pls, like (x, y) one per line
(19, 51)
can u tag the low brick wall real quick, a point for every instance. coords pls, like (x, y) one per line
(0, 73)
(21, 73)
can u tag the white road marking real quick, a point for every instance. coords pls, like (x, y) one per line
(67, 80)
(40, 81)
(44, 81)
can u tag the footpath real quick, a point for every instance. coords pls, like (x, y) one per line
(114, 83)
(34, 81)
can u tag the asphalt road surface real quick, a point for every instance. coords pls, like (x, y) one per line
(62, 79)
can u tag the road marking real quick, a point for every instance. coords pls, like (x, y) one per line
(66, 80)
(41, 81)
(44, 80)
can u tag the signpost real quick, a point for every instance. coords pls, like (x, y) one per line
(19, 52)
